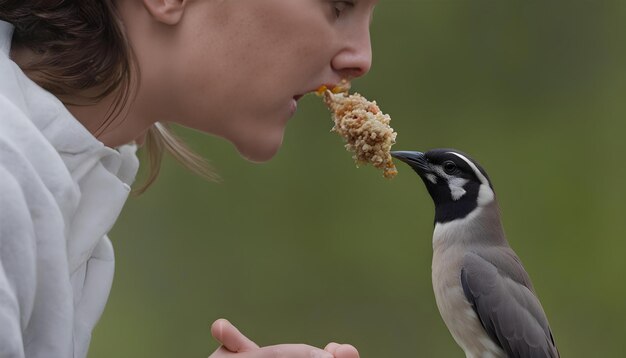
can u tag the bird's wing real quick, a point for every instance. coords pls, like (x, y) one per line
(500, 292)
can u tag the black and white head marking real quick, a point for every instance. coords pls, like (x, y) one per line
(485, 192)
(457, 184)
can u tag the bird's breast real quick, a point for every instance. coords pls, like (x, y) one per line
(455, 309)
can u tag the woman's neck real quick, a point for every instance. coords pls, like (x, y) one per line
(112, 123)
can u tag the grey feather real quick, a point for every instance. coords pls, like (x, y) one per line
(499, 289)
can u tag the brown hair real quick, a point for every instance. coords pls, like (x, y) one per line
(81, 45)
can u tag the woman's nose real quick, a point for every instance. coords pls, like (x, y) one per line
(355, 57)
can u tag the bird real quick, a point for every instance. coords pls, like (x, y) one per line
(482, 291)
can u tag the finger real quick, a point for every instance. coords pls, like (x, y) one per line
(230, 337)
(332, 347)
(293, 351)
(221, 352)
(346, 351)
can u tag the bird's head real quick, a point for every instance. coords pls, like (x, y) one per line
(457, 184)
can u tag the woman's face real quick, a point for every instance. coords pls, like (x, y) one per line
(241, 65)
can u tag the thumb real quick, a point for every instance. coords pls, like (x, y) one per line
(230, 337)
(346, 351)
(342, 350)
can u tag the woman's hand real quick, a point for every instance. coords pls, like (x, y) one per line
(236, 345)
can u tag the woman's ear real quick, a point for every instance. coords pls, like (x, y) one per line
(168, 12)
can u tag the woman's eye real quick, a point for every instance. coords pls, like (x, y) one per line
(449, 167)
(340, 6)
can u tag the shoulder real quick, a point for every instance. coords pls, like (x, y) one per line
(16, 128)
(19, 141)
(33, 179)
(26, 153)
(503, 260)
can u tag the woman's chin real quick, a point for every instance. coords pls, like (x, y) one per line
(260, 151)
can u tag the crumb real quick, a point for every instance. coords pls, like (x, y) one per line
(364, 127)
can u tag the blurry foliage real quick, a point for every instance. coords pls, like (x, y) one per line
(307, 248)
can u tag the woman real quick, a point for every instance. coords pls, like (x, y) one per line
(79, 78)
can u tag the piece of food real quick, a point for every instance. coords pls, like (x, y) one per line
(364, 127)
(342, 87)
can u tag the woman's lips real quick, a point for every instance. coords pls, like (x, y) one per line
(293, 107)
(296, 98)
(294, 104)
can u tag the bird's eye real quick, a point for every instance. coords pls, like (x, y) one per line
(449, 167)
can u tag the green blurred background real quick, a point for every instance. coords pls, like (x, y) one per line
(307, 248)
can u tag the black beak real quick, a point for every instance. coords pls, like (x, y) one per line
(416, 160)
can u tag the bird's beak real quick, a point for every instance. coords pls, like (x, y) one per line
(416, 160)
